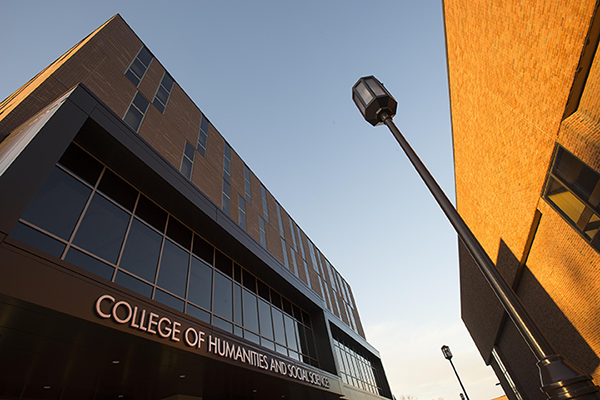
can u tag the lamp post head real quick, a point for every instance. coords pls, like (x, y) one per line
(373, 100)
(447, 353)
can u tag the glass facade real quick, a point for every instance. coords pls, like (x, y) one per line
(87, 215)
(136, 71)
(356, 369)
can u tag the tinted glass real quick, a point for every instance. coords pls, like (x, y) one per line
(140, 102)
(90, 264)
(266, 326)
(167, 82)
(250, 311)
(142, 248)
(263, 290)
(189, 151)
(57, 205)
(138, 68)
(179, 233)
(103, 228)
(198, 313)
(134, 79)
(219, 323)
(186, 167)
(237, 273)
(312, 350)
(223, 263)
(249, 281)
(151, 213)
(37, 239)
(200, 288)
(81, 163)
(169, 300)
(302, 338)
(159, 105)
(237, 304)
(223, 297)
(251, 337)
(173, 269)
(290, 333)
(133, 118)
(203, 249)
(118, 190)
(162, 95)
(267, 343)
(134, 284)
(145, 56)
(278, 327)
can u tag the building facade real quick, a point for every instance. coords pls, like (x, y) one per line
(524, 82)
(142, 258)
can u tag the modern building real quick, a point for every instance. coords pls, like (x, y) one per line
(141, 258)
(524, 82)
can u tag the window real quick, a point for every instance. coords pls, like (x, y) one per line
(247, 184)
(226, 198)
(355, 366)
(202, 137)
(161, 98)
(139, 66)
(242, 212)
(263, 234)
(293, 234)
(136, 112)
(264, 201)
(187, 161)
(227, 163)
(573, 189)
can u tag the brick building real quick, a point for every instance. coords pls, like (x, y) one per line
(142, 258)
(524, 83)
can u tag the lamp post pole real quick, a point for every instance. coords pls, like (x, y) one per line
(448, 356)
(560, 379)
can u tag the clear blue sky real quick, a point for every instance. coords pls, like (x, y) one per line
(275, 78)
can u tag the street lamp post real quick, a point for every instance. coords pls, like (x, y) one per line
(448, 355)
(560, 379)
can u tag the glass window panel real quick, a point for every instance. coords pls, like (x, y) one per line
(275, 299)
(142, 248)
(266, 325)
(159, 106)
(249, 281)
(145, 56)
(200, 287)
(237, 304)
(151, 213)
(102, 229)
(250, 311)
(81, 163)
(189, 151)
(287, 306)
(167, 82)
(278, 326)
(134, 284)
(592, 226)
(294, 355)
(223, 297)
(162, 95)
(251, 337)
(133, 118)
(140, 102)
(223, 263)
(267, 343)
(204, 124)
(138, 68)
(290, 333)
(57, 205)
(118, 190)
(565, 200)
(90, 264)
(281, 349)
(134, 79)
(219, 323)
(198, 313)
(263, 290)
(169, 300)
(310, 339)
(203, 249)
(37, 239)
(302, 338)
(237, 273)
(179, 233)
(238, 331)
(173, 271)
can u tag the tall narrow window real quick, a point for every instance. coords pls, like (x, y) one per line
(247, 191)
(187, 161)
(242, 212)
(202, 137)
(263, 234)
(227, 163)
(285, 257)
(226, 198)
(300, 240)
(293, 234)
(161, 98)
(264, 201)
(136, 112)
(281, 232)
(139, 66)
(573, 189)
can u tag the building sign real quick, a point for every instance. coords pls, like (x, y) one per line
(121, 312)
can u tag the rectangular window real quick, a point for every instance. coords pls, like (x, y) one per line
(227, 163)
(573, 189)
(307, 275)
(281, 232)
(187, 161)
(285, 257)
(264, 201)
(226, 198)
(139, 66)
(263, 234)
(293, 254)
(242, 212)
(247, 184)
(293, 234)
(311, 247)
(202, 137)
(301, 245)
(136, 112)
(161, 98)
